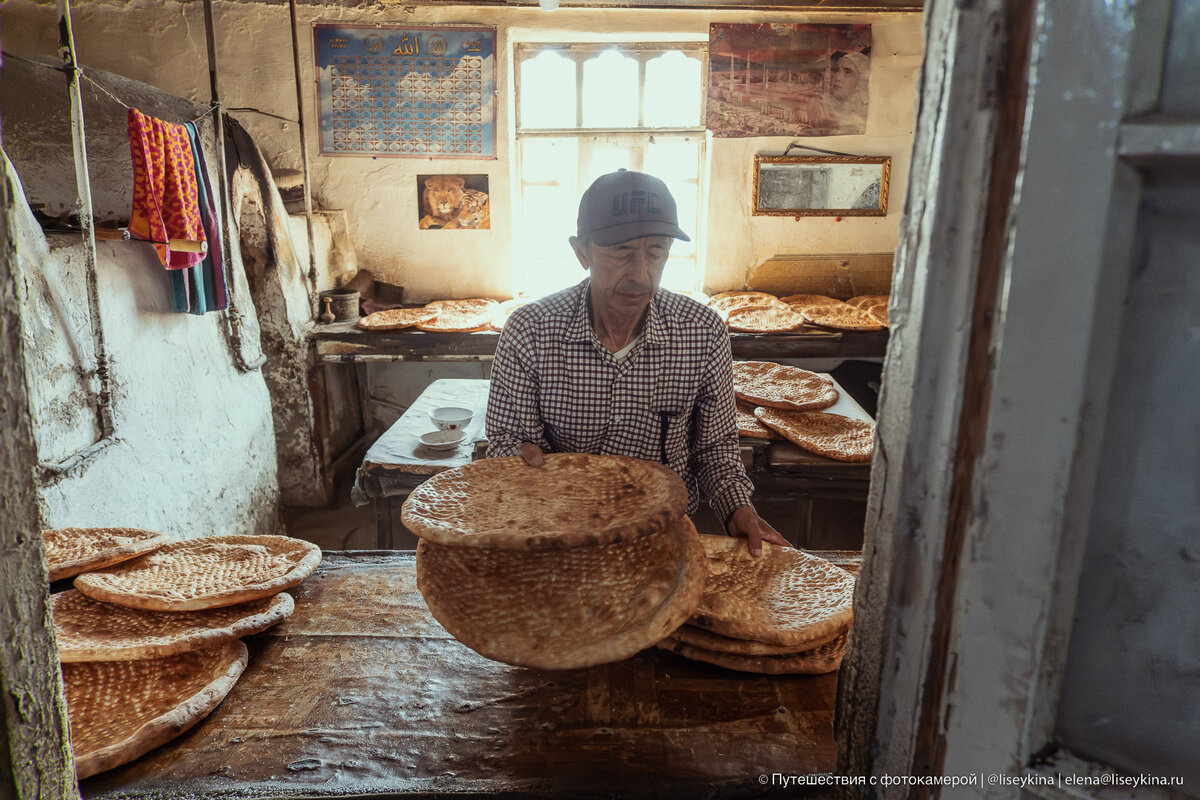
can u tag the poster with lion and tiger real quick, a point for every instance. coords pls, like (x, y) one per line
(454, 202)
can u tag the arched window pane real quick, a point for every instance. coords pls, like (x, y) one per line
(548, 91)
(610, 91)
(673, 87)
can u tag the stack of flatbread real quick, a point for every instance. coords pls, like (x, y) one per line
(856, 314)
(439, 316)
(585, 560)
(784, 612)
(149, 638)
(756, 312)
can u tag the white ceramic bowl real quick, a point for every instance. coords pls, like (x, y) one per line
(450, 418)
(443, 440)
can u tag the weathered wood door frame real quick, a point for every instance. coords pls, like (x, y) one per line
(1012, 264)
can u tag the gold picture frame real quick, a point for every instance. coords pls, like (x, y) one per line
(821, 186)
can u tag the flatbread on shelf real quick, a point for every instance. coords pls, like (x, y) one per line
(819, 660)
(460, 316)
(395, 319)
(765, 383)
(764, 319)
(830, 435)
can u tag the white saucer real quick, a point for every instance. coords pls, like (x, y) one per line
(443, 440)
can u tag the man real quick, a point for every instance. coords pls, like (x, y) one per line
(616, 365)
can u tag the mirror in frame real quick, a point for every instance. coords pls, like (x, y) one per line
(816, 186)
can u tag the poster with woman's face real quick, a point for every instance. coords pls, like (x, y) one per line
(791, 79)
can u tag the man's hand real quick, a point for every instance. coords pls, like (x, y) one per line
(532, 454)
(747, 524)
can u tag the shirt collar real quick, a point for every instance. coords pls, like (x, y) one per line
(656, 331)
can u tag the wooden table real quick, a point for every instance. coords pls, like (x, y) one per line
(345, 341)
(361, 693)
(397, 463)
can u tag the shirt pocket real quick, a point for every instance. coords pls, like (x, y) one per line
(672, 405)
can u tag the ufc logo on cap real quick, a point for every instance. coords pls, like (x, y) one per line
(633, 202)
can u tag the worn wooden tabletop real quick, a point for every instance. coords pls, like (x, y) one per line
(361, 692)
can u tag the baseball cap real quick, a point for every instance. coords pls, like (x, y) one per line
(626, 205)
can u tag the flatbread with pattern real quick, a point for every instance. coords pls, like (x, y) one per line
(395, 319)
(808, 300)
(844, 317)
(829, 435)
(725, 302)
(783, 597)
(567, 608)
(120, 710)
(748, 424)
(460, 316)
(765, 383)
(573, 499)
(879, 313)
(764, 319)
(88, 630)
(826, 658)
(209, 572)
(70, 551)
(866, 300)
(699, 637)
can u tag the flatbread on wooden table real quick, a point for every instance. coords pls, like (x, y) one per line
(460, 316)
(395, 319)
(88, 630)
(748, 424)
(568, 608)
(707, 640)
(573, 499)
(829, 435)
(120, 710)
(765, 383)
(208, 572)
(70, 551)
(783, 597)
(764, 319)
(844, 317)
(724, 302)
(817, 661)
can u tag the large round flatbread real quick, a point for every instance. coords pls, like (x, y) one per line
(88, 630)
(764, 383)
(807, 300)
(120, 710)
(764, 319)
(460, 316)
(867, 300)
(573, 500)
(826, 658)
(209, 572)
(844, 317)
(707, 640)
(725, 302)
(748, 424)
(829, 435)
(70, 551)
(565, 609)
(783, 597)
(394, 319)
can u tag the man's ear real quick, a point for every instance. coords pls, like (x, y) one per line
(580, 252)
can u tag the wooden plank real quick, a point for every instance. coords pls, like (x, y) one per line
(842, 275)
(363, 691)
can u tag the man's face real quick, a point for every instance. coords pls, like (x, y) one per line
(624, 276)
(843, 77)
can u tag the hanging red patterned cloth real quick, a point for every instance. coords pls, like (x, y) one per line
(164, 188)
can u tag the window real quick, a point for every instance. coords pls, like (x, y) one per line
(587, 109)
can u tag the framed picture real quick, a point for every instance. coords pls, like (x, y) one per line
(821, 186)
(407, 90)
(453, 202)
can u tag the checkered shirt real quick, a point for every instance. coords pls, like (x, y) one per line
(670, 400)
